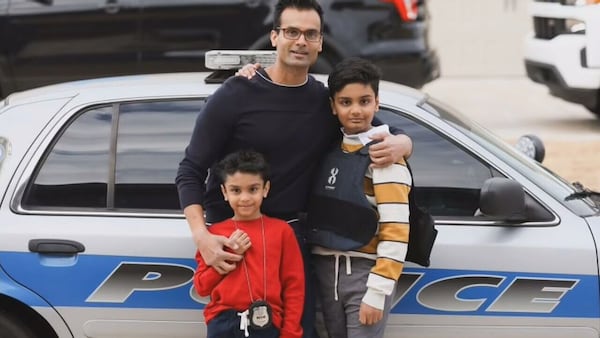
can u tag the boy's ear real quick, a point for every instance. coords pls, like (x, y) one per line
(267, 188)
(376, 103)
(224, 192)
(332, 106)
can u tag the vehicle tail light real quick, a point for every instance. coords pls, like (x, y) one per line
(408, 9)
(592, 2)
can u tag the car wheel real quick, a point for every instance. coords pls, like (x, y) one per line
(12, 327)
(595, 109)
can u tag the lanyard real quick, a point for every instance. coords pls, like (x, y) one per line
(264, 245)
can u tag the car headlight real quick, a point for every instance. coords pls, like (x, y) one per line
(575, 26)
(581, 2)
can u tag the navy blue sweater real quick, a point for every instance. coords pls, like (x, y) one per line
(292, 126)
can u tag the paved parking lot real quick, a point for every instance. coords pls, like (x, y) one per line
(514, 106)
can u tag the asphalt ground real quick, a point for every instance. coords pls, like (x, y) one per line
(514, 106)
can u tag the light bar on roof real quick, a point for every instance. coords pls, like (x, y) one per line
(234, 59)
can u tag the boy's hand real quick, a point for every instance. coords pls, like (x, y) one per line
(389, 150)
(369, 315)
(248, 71)
(242, 240)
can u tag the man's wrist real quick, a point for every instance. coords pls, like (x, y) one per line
(200, 232)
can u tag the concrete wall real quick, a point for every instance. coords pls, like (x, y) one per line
(479, 37)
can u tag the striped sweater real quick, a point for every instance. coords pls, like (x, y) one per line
(387, 190)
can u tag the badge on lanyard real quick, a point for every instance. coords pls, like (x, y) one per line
(260, 315)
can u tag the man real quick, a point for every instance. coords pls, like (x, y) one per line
(283, 113)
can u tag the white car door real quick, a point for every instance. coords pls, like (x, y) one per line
(94, 226)
(536, 278)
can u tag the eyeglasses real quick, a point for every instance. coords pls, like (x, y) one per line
(292, 33)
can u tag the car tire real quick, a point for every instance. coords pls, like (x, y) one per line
(14, 328)
(595, 109)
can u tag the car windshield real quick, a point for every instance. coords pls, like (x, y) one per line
(550, 182)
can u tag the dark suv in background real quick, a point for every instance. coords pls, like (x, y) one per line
(50, 41)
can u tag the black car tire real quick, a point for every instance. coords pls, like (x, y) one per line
(595, 110)
(11, 327)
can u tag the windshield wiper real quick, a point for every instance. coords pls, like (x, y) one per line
(583, 192)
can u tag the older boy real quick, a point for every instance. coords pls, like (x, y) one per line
(359, 214)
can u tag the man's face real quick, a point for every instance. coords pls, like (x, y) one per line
(298, 52)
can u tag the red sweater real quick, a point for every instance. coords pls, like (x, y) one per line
(285, 275)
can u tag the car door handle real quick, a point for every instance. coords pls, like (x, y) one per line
(55, 246)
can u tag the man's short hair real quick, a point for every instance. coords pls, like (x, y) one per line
(243, 161)
(297, 4)
(354, 70)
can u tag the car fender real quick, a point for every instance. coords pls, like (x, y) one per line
(594, 224)
(17, 292)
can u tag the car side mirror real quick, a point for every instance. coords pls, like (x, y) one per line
(532, 146)
(503, 198)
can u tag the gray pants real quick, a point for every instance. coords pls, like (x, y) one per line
(341, 315)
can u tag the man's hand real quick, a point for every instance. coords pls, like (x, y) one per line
(248, 71)
(242, 240)
(211, 248)
(369, 315)
(389, 149)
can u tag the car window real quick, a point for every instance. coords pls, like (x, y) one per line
(447, 177)
(125, 157)
(75, 172)
(151, 139)
(117, 157)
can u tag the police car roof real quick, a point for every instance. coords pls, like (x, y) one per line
(156, 85)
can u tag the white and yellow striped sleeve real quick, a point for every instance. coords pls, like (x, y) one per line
(391, 186)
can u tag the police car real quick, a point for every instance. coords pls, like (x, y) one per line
(93, 242)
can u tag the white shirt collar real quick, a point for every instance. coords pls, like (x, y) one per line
(364, 137)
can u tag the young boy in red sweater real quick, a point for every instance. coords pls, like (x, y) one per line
(264, 296)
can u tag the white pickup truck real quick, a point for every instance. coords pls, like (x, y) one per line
(563, 51)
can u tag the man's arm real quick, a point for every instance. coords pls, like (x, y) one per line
(209, 245)
(389, 149)
(211, 132)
